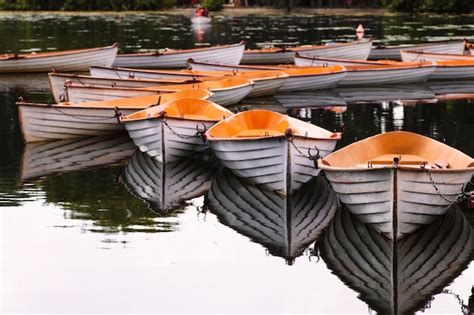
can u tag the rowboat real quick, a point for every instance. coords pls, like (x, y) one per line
(68, 60)
(385, 93)
(285, 225)
(265, 82)
(226, 92)
(41, 122)
(58, 82)
(419, 55)
(399, 277)
(228, 54)
(168, 187)
(299, 79)
(370, 72)
(398, 180)
(352, 50)
(173, 130)
(270, 149)
(48, 158)
(393, 52)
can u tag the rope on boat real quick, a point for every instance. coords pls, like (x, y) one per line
(461, 197)
(312, 157)
(200, 133)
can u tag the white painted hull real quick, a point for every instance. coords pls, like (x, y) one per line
(58, 83)
(52, 122)
(397, 277)
(292, 83)
(384, 93)
(356, 50)
(77, 94)
(413, 56)
(167, 187)
(454, 47)
(387, 76)
(225, 55)
(157, 139)
(272, 162)
(316, 62)
(63, 156)
(78, 61)
(285, 225)
(312, 82)
(396, 200)
(262, 87)
(453, 73)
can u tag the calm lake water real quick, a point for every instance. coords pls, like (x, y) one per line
(91, 226)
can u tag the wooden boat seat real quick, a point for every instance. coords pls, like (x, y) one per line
(404, 159)
(196, 117)
(248, 133)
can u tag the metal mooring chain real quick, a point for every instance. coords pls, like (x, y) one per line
(290, 137)
(200, 133)
(428, 171)
(80, 117)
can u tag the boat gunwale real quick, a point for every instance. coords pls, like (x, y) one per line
(181, 51)
(400, 47)
(307, 48)
(48, 54)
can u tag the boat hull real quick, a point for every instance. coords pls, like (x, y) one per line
(43, 122)
(225, 55)
(454, 47)
(397, 201)
(78, 61)
(453, 73)
(387, 76)
(272, 162)
(168, 140)
(414, 56)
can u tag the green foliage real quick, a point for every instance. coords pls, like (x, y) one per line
(213, 5)
(429, 5)
(85, 5)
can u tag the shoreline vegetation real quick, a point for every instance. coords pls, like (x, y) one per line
(232, 6)
(226, 11)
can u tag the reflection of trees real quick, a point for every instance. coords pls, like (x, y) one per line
(98, 197)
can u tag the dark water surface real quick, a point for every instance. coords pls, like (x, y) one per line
(92, 226)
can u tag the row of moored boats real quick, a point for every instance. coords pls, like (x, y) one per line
(171, 114)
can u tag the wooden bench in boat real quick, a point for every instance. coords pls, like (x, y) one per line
(250, 133)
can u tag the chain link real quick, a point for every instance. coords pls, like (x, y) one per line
(80, 117)
(199, 133)
(428, 171)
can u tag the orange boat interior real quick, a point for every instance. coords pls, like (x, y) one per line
(184, 108)
(263, 123)
(408, 149)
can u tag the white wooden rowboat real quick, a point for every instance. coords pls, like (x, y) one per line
(352, 50)
(398, 277)
(68, 60)
(270, 149)
(63, 156)
(229, 54)
(372, 72)
(419, 55)
(398, 180)
(59, 81)
(393, 52)
(299, 79)
(173, 130)
(225, 92)
(41, 122)
(168, 187)
(266, 82)
(285, 225)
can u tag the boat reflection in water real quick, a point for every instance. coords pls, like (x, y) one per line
(168, 186)
(62, 156)
(398, 277)
(286, 226)
(385, 93)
